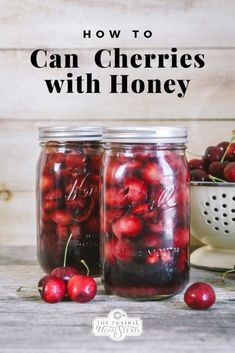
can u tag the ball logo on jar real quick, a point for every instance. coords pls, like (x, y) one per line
(82, 188)
(165, 200)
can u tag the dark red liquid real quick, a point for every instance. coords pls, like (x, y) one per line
(68, 203)
(145, 222)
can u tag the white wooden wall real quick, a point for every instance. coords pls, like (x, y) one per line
(193, 26)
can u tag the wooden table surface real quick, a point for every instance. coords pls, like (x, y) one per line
(27, 324)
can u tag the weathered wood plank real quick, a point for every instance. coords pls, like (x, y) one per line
(210, 94)
(168, 325)
(59, 23)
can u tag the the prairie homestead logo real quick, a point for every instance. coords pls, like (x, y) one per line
(117, 325)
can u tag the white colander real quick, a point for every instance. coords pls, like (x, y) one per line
(213, 223)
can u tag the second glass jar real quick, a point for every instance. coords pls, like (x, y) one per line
(145, 212)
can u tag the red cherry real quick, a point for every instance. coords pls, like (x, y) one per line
(94, 163)
(152, 173)
(84, 216)
(62, 217)
(152, 241)
(52, 289)
(229, 172)
(199, 296)
(181, 237)
(64, 272)
(47, 182)
(140, 209)
(54, 194)
(78, 203)
(230, 155)
(74, 160)
(49, 205)
(48, 229)
(75, 229)
(195, 164)
(132, 164)
(54, 158)
(123, 250)
(116, 197)
(176, 162)
(92, 225)
(152, 257)
(157, 227)
(81, 289)
(212, 154)
(216, 169)
(182, 261)
(199, 175)
(137, 190)
(62, 231)
(113, 214)
(110, 172)
(145, 212)
(109, 251)
(223, 146)
(127, 226)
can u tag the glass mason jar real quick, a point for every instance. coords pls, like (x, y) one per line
(68, 184)
(145, 212)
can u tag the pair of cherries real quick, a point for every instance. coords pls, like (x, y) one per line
(66, 281)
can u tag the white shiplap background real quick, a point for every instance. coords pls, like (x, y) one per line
(202, 26)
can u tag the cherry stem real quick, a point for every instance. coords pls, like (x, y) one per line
(30, 287)
(215, 179)
(226, 151)
(226, 273)
(87, 268)
(66, 249)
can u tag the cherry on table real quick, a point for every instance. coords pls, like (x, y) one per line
(81, 289)
(199, 296)
(52, 289)
(64, 272)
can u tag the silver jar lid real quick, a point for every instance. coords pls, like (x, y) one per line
(72, 133)
(152, 134)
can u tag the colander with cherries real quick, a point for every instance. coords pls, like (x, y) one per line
(213, 206)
